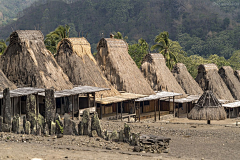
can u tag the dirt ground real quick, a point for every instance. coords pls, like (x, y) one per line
(189, 140)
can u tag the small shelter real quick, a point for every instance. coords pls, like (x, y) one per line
(185, 80)
(207, 108)
(75, 58)
(158, 75)
(227, 74)
(208, 77)
(119, 68)
(27, 63)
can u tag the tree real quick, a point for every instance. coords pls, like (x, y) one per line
(118, 35)
(138, 51)
(53, 38)
(164, 45)
(3, 46)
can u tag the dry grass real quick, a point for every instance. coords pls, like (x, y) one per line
(186, 81)
(208, 74)
(75, 57)
(119, 68)
(27, 62)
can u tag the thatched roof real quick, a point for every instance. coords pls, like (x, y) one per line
(237, 74)
(208, 77)
(185, 80)
(227, 74)
(119, 68)
(158, 75)
(5, 83)
(75, 57)
(207, 108)
(28, 63)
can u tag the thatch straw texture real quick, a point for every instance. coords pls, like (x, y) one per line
(208, 77)
(185, 80)
(237, 74)
(119, 67)
(227, 74)
(75, 57)
(28, 63)
(207, 108)
(158, 75)
(5, 83)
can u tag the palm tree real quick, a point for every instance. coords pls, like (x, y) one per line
(3, 46)
(53, 38)
(163, 45)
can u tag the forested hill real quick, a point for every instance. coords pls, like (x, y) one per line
(190, 22)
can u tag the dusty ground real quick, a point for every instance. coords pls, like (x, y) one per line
(190, 140)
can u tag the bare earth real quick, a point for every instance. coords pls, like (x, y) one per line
(190, 140)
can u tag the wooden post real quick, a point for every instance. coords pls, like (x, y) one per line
(155, 111)
(94, 101)
(20, 107)
(13, 106)
(121, 110)
(159, 109)
(37, 109)
(100, 111)
(187, 109)
(229, 112)
(174, 110)
(72, 107)
(117, 111)
(134, 103)
(61, 109)
(178, 110)
(88, 97)
(139, 111)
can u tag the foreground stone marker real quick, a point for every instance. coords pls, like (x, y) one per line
(50, 108)
(95, 125)
(68, 127)
(7, 107)
(86, 123)
(27, 127)
(31, 110)
(53, 128)
(15, 124)
(1, 123)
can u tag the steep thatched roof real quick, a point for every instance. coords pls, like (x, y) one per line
(207, 108)
(237, 74)
(208, 75)
(186, 81)
(227, 74)
(5, 83)
(158, 75)
(75, 57)
(119, 67)
(28, 63)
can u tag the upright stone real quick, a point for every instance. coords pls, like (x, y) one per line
(46, 129)
(86, 122)
(68, 127)
(80, 128)
(1, 123)
(28, 127)
(53, 128)
(7, 107)
(50, 108)
(127, 133)
(95, 124)
(31, 110)
(15, 124)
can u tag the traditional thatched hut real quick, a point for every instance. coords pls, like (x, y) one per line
(119, 67)
(75, 58)
(5, 83)
(208, 77)
(207, 108)
(237, 74)
(227, 74)
(27, 62)
(158, 75)
(185, 80)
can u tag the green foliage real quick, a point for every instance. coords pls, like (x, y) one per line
(138, 51)
(53, 38)
(164, 46)
(119, 35)
(234, 61)
(3, 46)
(61, 128)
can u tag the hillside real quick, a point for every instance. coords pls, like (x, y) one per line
(136, 19)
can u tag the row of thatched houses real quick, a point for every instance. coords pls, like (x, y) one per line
(110, 83)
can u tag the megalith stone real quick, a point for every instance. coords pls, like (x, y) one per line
(50, 108)
(53, 128)
(114, 136)
(7, 107)
(1, 123)
(31, 110)
(127, 133)
(74, 128)
(121, 135)
(135, 139)
(27, 127)
(86, 122)
(46, 129)
(15, 124)
(95, 124)
(68, 127)
(80, 128)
